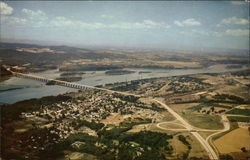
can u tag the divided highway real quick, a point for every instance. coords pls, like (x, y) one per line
(191, 129)
(211, 153)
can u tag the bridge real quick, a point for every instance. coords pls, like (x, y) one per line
(64, 83)
(211, 153)
(56, 82)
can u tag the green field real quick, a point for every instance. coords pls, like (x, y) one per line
(238, 119)
(201, 105)
(204, 121)
(244, 112)
(233, 126)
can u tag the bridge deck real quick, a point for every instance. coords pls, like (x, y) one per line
(64, 83)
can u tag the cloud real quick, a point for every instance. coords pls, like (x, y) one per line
(153, 24)
(9, 20)
(35, 15)
(146, 24)
(5, 9)
(200, 32)
(178, 23)
(237, 32)
(187, 22)
(36, 18)
(238, 2)
(66, 22)
(106, 16)
(235, 20)
(14, 21)
(61, 21)
(39, 18)
(228, 32)
(195, 32)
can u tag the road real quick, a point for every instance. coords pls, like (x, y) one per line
(226, 128)
(211, 153)
(68, 84)
(204, 143)
(175, 122)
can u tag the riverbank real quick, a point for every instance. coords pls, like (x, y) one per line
(70, 119)
(38, 89)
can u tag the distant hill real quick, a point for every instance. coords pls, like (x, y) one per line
(33, 57)
(10, 56)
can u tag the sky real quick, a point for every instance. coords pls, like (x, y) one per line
(146, 24)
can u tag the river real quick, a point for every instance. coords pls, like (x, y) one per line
(17, 89)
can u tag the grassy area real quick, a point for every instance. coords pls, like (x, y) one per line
(186, 143)
(229, 98)
(201, 105)
(123, 127)
(179, 108)
(179, 149)
(244, 112)
(204, 121)
(197, 149)
(238, 119)
(233, 126)
(233, 141)
(167, 116)
(206, 134)
(171, 126)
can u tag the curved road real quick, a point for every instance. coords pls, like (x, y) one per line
(226, 128)
(204, 143)
(172, 129)
(211, 153)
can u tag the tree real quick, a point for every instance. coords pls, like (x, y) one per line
(226, 157)
(244, 149)
(212, 109)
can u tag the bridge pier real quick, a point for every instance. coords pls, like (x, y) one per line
(57, 82)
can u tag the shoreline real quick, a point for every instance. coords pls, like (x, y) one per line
(124, 82)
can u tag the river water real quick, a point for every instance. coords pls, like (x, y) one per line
(17, 89)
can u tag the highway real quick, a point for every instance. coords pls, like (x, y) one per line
(190, 128)
(211, 153)
(66, 84)
(226, 128)
(172, 129)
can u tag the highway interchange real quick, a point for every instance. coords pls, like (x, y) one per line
(187, 127)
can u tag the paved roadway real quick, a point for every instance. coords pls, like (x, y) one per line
(74, 85)
(211, 153)
(204, 143)
(208, 139)
(172, 129)
(226, 128)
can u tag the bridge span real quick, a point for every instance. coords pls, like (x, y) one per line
(65, 83)
(211, 153)
(56, 82)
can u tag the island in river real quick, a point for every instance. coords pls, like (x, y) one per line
(118, 72)
(103, 125)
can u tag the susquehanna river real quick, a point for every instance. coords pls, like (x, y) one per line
(17, 89)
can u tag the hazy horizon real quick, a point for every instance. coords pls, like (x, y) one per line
(127, 24)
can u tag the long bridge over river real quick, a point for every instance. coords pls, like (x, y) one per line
(64, 83)
(211, 153)
(54, 81)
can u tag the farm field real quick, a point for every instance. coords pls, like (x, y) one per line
(204, 121)
(233, 141)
